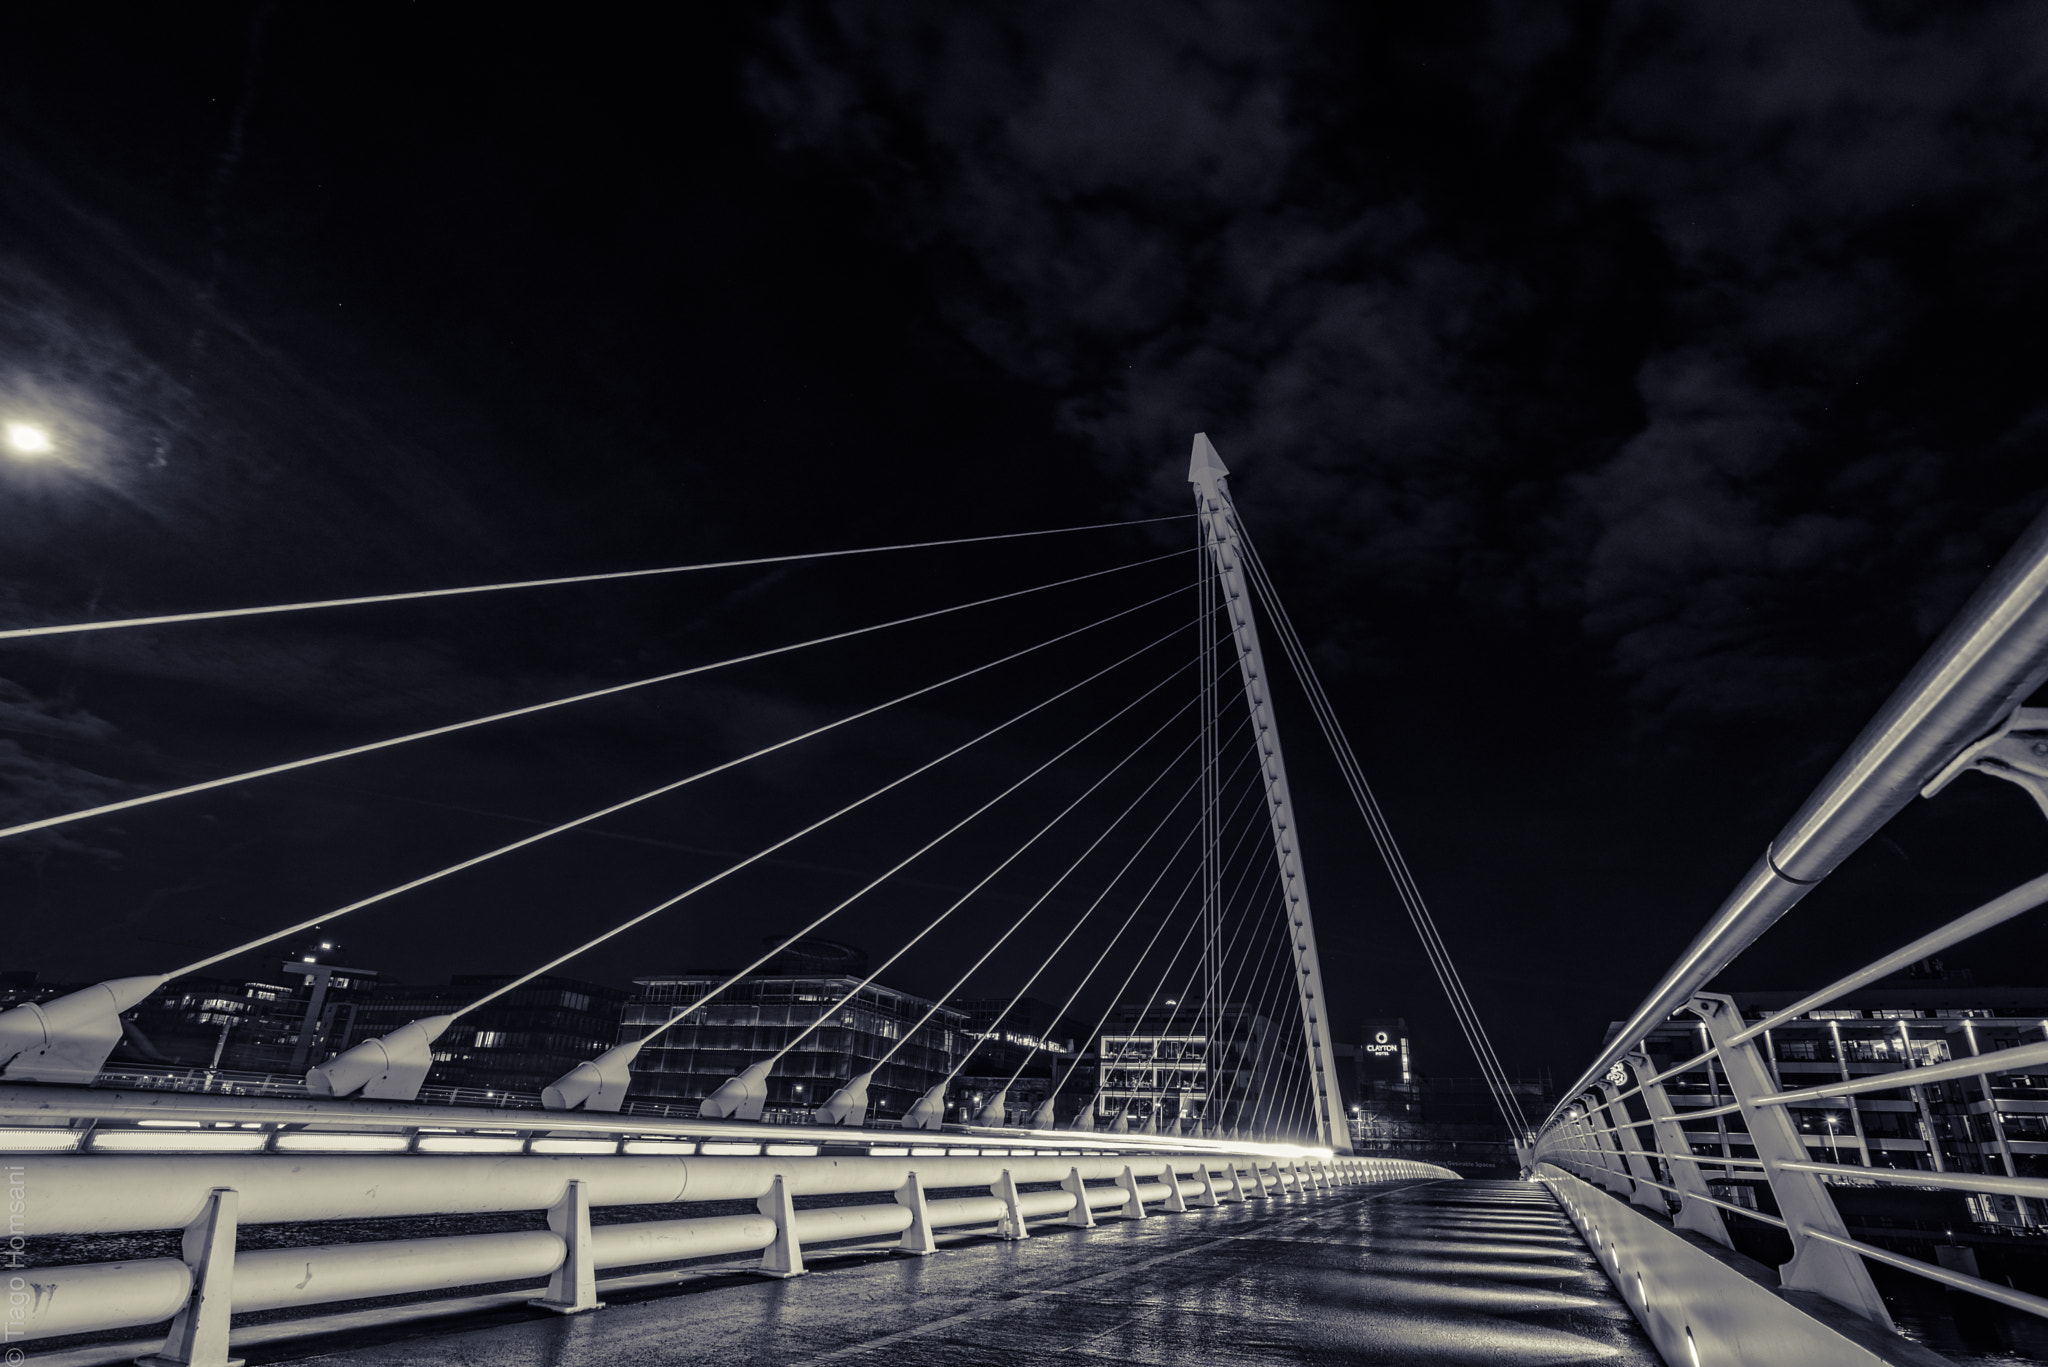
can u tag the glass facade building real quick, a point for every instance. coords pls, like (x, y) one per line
(1977, 1124)
(758, 1016)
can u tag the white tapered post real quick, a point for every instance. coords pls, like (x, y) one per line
(918, 1238)
(1081, 1216)
(1207, 1200)
(1206, 472)
(573, 1287)
(1013, 1226)
(1175, 1202)
(784, 1257)
(199, 1334)
(1134, 1204)
(1236, 1192)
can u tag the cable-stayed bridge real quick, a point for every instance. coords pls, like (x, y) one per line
(1622, 1245)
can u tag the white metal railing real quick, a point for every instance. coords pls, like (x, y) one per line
(1622, 1127)
(91, 1161)
(229, 1083)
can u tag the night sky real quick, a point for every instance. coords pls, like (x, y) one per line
(1623, 395)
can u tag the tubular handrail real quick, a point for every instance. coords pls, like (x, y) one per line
(2004, 1061)
(1997, 911)
(1976, 1286)
(1991, 657)
(2036, 1187)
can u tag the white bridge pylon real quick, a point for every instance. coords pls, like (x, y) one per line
(1209, 476)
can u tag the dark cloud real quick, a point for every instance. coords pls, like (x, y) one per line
(35, 783)
(1628, 317)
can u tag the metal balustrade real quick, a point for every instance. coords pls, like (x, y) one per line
(1622, 1126)
(96, 1162)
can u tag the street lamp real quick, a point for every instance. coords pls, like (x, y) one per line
(1834, 1152)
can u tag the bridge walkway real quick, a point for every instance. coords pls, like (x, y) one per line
(1434, 1273)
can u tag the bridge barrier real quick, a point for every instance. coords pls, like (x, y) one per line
(210, 1196)
(1702, 1306)
(1632, 1122)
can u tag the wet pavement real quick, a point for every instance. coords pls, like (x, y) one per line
(1434, 1273)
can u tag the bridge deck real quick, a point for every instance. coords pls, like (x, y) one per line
(1450, 1273)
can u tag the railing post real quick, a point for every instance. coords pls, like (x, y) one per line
(1013, 1217)
(199, 1334)
(1134, 1204)
(1607, 1143)
(918, 1238)
(1803, 1199)
(1642, 1172)
(1175, 1202)
(1236, 1191)
(784, 1257)
(1207, 1199)
(1081, 1216)
(1693, 1211)
(573, 1287)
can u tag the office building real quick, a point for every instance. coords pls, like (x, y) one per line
(776, 1007)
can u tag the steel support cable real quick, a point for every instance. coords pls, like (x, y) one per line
(1137, 905)
(1211, 716)
(1267, 1059)
(1405, 886)
(1291, 1067)
(1201, 966)
(1168, 970)
(1258, 962)
(936, 921)
(1254, 1011)
(1277, 1059)
(217, 614)
(1018, 924)
(1184, 997)
(1238, 975)
(1089, 912)
(1139, 962)
(1225, 949)
(1425, 927)
(797, 835)
(207, 785)
(602, 812)
(1383, 838)
(1276, 1047)
(1181, 948)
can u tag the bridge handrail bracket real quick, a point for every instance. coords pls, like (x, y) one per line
(2016, 751)
(1803, 1198)
(785, 1256)
(1958, 705)
(1695, 1210)
(572, 1287)
(199, 1333)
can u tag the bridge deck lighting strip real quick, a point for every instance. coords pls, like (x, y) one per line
(145, 799)
(214, 615)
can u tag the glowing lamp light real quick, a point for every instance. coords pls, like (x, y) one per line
(28, 439)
